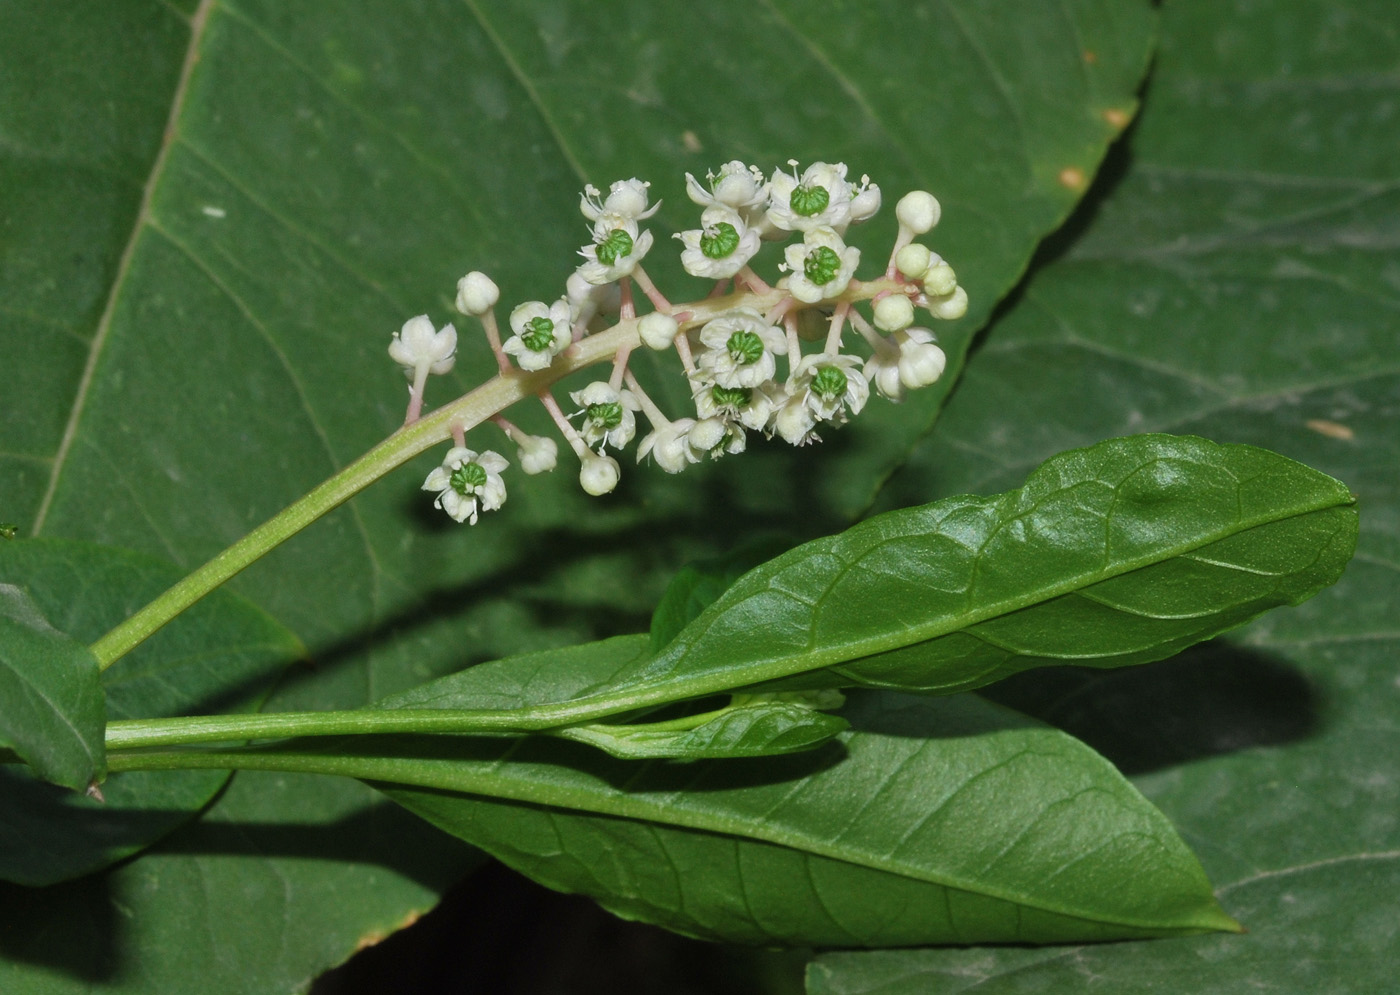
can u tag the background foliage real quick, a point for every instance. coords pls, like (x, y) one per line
(214, 215)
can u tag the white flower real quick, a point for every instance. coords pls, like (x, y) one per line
(626, 199)
(608, 418)
(737, 186)
(541, 333)
(477, 293)
(537, 453)
(828, 384)
(618, 247)
(587, 301)
(920, 361)
(417, 345)
(721, 247)
(670, 445)
(821, 267)
(468, 483)
(751, 407)
(739, 349)
(882, 369)
(821, 196)
(794, 422)
(714, 437)
(865, 201)
(599, 474)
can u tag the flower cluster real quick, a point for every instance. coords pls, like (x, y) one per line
(741, 349)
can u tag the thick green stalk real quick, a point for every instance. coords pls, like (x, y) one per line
(468, 411)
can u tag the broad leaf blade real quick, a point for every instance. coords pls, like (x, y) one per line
(1117, 554)
(993, 829)
(223, 655)
(1235, 283)
(51, 710)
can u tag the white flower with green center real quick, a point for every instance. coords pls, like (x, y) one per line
(541, 333)
(821, 267)
(830, 385)
(608, 418)
(821, 196)
(626, 199)
(715, 437)
(749, 406)
(618, 247)
(468, 483)
(721, 247)
(417, 345)
(670, 446)
(739, 349)
(737, 186)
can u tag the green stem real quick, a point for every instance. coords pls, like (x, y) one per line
(468, 411)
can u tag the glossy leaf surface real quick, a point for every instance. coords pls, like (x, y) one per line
(933, 821)
(215, 225)
(1236, 281)
(224, 655)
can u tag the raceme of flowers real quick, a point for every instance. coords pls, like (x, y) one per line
(744, 362)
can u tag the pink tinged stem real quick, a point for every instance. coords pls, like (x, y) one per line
(794, 344)
(415, 393)
(628, 308)
(877, 341)
(570, 434)
(513, 433)
(493, 336)
(753, 281)
(649, 408)
(459, 434)
(838, 322)
(779, 310)
(682, 345)
(620, 367)
(719, 288)
(657, 298)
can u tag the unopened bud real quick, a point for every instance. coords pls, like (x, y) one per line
(477, 293)
(658, 331)
(940, 279)
(599, 474)
(893, 313)
(952, 306)
(914, 260)
(918, 211)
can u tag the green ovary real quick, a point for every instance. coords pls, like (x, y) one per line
(807, 201)
(745, 347)
(607, 414)
(719, 240)
(821, 265)
(538, 334)
(829, 382)
(467, 478)
(614, 247)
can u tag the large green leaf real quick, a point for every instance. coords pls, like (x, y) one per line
(214, 297)
(936, 821)
(1237, 282)
(223, 655)
(51, 708)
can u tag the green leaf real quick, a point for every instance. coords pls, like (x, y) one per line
(221, 656)
(1234, 281)
(1118, 554)
(697, 585)
(51, 709)
(316, 175)
(994, 829)
(754, 729)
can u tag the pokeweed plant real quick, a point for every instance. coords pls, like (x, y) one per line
(710, 775)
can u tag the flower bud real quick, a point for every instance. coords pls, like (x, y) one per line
(918, 211)
(940, 280)
(599, 474)
(476, 294)
(658, 331)
(914, 260)
(950, 307)
(893, 313)
(537, 454)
